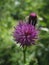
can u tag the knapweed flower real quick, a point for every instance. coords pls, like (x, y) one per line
(25, 34)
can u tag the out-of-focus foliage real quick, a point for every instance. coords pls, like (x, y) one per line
(10, 12)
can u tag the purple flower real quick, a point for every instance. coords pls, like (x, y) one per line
(25, 34)
(33, 19)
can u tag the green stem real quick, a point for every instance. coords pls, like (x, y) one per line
(24, 54)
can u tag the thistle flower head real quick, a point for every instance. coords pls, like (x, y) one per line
(33, 14)
(25, 34)
(33, 19)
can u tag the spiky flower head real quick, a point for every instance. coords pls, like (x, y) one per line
(25, 34)
(33, 19)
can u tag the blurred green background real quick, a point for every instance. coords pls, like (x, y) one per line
(11, 11)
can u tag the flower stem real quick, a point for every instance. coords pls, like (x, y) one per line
(24, 54)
